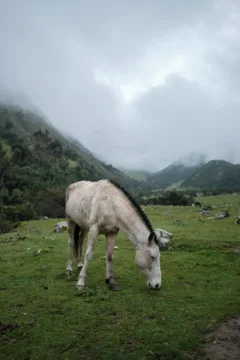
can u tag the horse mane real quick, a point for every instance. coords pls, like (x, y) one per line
(136, 206)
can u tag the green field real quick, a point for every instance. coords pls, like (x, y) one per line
(201, 287)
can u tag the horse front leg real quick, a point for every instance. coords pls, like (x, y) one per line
(71, 228)
(91, 240)
(110, 242)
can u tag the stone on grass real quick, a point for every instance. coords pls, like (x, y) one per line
(62, 225)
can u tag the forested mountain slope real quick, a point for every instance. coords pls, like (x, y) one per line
(37, 163)
(216, 174)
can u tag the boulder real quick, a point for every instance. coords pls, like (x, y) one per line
(163, 238)
(62, 225)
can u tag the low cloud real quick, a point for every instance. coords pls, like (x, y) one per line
(139, 85)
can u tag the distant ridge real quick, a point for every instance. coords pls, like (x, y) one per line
(218, 174)
(172, 174)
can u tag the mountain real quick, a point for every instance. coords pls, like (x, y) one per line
(37, 162)
(216, 174)
(139, 175)
(19, 100)
(171, 175)
(77, 144)
(194, 172)
(27, 126)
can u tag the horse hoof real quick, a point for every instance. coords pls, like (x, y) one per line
(80, 267)
(114, 287)
(68, 272)
(79, 287)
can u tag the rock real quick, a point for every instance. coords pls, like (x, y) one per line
(62, 225)
(163, 238)
(222, 215)
(163, 233)
(205, 212)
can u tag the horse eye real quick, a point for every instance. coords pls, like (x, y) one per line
(152, 258)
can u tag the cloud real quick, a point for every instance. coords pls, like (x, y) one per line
(139, 85)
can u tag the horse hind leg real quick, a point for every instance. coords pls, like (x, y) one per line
(91, 240)
(80, 246)
(110, 242)
(71, 229)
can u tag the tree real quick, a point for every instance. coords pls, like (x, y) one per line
(5, 163)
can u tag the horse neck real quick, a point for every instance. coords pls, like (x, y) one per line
(133, 227)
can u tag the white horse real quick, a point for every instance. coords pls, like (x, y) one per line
(104, 207)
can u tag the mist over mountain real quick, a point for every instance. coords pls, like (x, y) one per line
(30, 146)
(193, 158)
(19, 100)
(138, 94)
(194, 169)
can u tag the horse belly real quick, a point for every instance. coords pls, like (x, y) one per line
(106, 227)
(79, 209)
(104, 216)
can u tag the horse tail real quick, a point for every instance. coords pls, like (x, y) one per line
(67, 193)
(76, 239)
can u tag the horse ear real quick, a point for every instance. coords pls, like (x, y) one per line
(152, 237)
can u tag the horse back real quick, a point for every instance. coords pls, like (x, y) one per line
(89, 203)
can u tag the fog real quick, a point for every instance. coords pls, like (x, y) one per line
(140, 85)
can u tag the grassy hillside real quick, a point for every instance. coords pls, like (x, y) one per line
(37, 163)
(216, 174)
(137, 175)
(44, 317)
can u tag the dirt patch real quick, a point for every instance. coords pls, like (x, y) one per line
(224, 342)
(4, 328)
(185, 284)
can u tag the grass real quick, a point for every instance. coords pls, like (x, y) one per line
(201, 286)
(140, 176)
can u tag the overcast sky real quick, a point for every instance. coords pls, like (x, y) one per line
(139, 83)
